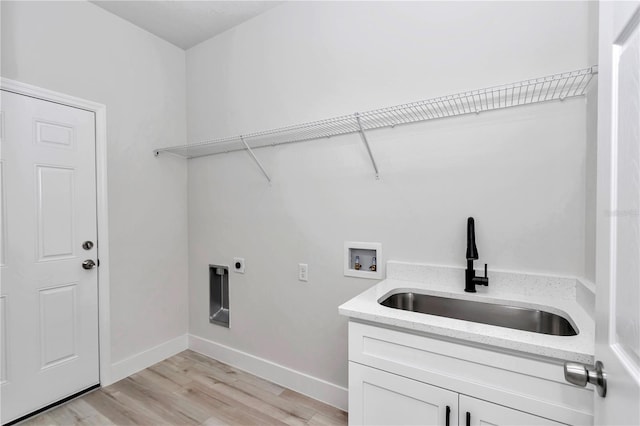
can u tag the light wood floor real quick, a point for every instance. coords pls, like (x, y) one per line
(191, 389)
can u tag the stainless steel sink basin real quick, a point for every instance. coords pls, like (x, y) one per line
(516, 317)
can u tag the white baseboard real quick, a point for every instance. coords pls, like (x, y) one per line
(313, 387)
(142, 360)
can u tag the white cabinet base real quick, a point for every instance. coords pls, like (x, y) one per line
(391, 368)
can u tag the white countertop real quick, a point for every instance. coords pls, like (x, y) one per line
(553, 294)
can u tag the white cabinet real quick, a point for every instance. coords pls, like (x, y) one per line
(402, 378)
(380, 398)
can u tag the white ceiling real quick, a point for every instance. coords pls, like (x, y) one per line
(185, 23)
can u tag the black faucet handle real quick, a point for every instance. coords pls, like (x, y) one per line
(482, 280)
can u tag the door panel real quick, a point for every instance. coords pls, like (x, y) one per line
(54, 133)
(483, 413)
(3, 340)
(49, 302)
(3, 213)
(58, 325)
(378, 401)
(626, 199)
(618, 215)
(55, 206)
(380, 398)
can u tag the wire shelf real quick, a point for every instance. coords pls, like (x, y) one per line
(544, 89)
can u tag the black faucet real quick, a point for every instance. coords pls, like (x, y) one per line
(471, 281)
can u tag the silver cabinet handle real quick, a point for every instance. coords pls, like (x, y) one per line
(580, 374)
(88, 264)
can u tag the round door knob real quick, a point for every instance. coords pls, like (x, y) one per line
(88, 264)
(580, 375)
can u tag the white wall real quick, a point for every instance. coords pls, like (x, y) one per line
(519, 172)
(81, 50)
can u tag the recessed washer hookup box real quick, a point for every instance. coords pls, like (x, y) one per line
(219, 295)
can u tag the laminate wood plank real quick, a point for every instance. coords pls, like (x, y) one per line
(96, 421)
(235, 416)
(221, 412)
(167, 371)
(326, 409)
(221, 395)
(217, 371)
(320, 419)
(235, 373)
(119, 411)
(180, 359)
(153, 380)
(68, 416)
(215, 421)
(211, 376)
(81, 412)
(156, 402)
(108, 408)
(191, 389)
(251, 401)
(76, 413)
(206, 374)
(296, 410)
(43, 419)
(260, 383)
(145, 413)
(197, 396)
(195, 356)
(227, 374)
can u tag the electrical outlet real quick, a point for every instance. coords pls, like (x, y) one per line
(238, 264)
(303, 272)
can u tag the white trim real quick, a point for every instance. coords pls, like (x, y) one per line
(147, 358)
(313, 387)
(100, 111)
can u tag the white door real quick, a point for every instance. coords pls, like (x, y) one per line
(380, 398)
(48, 301)
(618, 216)
(475, 412)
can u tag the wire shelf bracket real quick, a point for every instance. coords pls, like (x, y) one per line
(250, 151)
(556, 87)
(366, 144)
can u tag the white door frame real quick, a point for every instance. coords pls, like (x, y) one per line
(100, 111)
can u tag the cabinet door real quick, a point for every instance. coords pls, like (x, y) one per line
(380, 398)
(475, 412)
